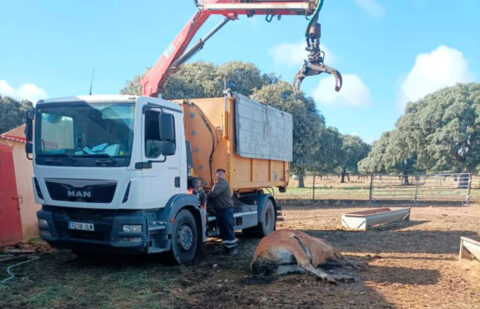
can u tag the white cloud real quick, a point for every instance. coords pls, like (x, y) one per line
(293, 54)
(26, 91)
(372, 7)
(432, 71)
(354, 92)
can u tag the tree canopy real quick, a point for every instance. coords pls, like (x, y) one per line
(12, 113)
(327, 156)
(206, 80)
(438, 133)
(352, 150)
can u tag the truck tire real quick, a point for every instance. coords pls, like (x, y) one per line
(184, 238)
(268, 224)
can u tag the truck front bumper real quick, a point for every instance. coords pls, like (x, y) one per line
(105, 233)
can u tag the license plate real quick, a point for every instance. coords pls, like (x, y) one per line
(81, 226)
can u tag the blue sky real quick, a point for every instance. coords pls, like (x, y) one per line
(389, 51)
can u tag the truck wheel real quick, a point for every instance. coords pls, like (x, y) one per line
(184, 238)
(267, 225)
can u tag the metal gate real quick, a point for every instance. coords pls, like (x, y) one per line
(454, 187)
(10, 222)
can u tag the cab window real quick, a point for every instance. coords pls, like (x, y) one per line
(159, 130)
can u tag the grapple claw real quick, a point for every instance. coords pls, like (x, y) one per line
(298, 79)
(310, 69)
(335, 73)
(315, 64)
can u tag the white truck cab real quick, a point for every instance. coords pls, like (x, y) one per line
(91, 152)
(113, 173)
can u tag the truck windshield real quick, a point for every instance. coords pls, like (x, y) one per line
(84, 134)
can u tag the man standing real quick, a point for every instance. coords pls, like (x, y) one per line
(221, 200)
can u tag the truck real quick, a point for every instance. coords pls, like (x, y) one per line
(125, 173)
(120, 173)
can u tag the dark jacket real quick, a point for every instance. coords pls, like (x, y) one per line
(220, 196)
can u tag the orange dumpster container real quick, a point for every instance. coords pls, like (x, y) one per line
(251, 141)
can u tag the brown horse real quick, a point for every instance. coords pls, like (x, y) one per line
(289, 251)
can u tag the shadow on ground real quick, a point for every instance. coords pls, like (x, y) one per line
(394, 241)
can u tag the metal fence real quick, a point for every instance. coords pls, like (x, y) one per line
(461, 187)
(327, 187)
(422, 188)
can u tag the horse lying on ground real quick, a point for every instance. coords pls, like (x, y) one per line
(288, 251)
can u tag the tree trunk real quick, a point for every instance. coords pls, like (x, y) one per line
(405, 178)
(301, 179)
(344, 173)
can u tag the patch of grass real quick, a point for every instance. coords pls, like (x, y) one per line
(61, 280)
(46, 296)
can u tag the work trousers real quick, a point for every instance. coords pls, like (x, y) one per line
(226, 226)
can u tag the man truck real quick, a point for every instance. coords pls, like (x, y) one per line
(119, 173)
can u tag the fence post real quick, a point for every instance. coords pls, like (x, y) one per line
(417, 184)
(467, 200)
(370, 193)
(313, 191)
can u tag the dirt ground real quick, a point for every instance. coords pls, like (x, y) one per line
(409, 265)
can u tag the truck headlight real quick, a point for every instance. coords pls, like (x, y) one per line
(42, 224)
(128, 228)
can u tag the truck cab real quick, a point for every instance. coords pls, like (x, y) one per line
(114, 173)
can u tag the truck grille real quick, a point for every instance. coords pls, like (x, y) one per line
(81, 190)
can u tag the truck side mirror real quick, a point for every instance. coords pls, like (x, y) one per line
(167, 127)
(29, 133)
(168, 149)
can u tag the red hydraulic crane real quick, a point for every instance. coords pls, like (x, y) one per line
(155, 79)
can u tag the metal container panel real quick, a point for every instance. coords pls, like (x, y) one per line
(261, 131)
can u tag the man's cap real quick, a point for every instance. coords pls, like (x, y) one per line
(220, 169)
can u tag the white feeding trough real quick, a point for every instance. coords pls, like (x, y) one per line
(469, 248)
(361, 220)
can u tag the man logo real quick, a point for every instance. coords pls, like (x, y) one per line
(84, 194)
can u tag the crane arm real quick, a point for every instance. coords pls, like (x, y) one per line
(155, 79)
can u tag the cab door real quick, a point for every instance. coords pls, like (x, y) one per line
(162, 153)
